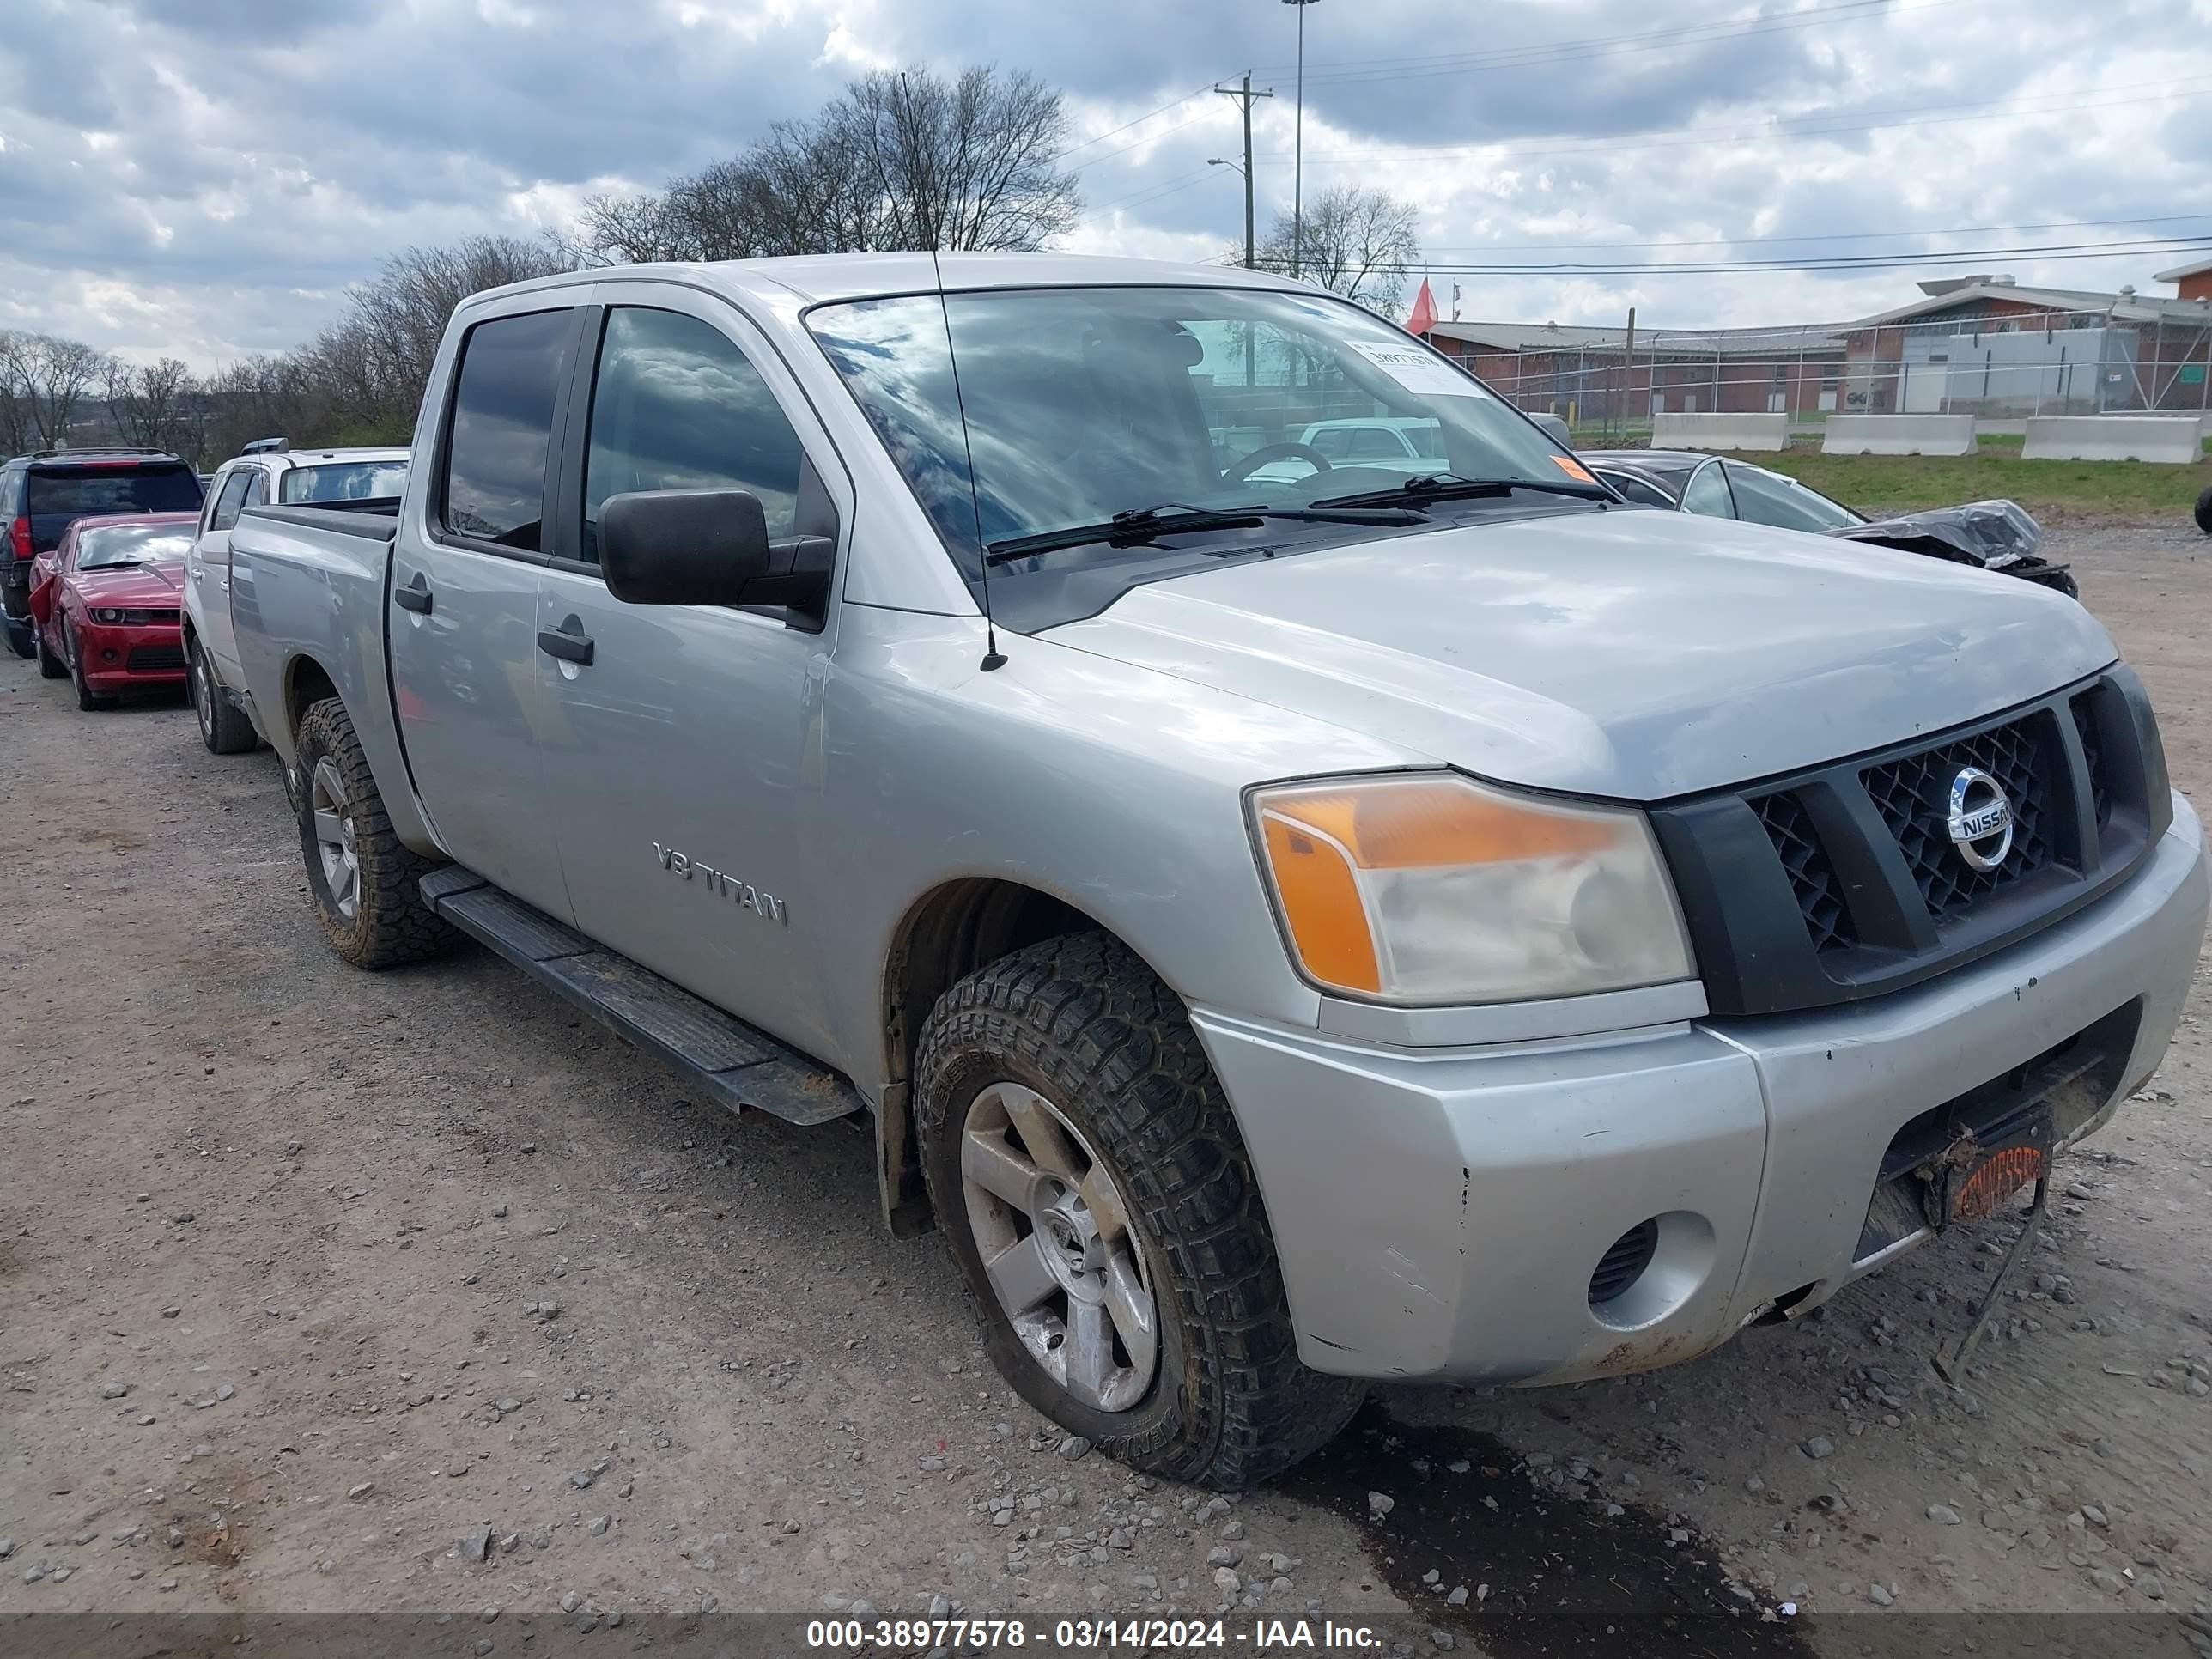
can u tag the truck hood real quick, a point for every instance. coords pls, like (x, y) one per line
(1637, 655)
(131, 584)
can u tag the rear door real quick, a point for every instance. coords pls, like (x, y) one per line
(207, 569)
(462, 608)
(685, 755)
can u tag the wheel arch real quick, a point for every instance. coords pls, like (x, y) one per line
(306, 683)
(947, 934)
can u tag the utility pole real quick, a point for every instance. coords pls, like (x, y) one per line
(1298, 150)
(1244, 96)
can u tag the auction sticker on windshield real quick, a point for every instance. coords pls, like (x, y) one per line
(1417, 370)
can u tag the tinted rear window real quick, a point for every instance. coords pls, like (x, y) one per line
(346, 481)
(511, 372)
(79, 490)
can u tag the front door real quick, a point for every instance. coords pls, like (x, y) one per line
(462, 610)
(685, 752)
(207, 571)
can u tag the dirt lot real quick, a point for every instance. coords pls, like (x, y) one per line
(308, 1275)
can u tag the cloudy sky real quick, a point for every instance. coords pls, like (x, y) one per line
(203, 178)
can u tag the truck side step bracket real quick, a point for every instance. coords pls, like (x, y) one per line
(733, 1063)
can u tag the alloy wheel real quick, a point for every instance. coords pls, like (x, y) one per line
(334, 838)
(1056, 1244)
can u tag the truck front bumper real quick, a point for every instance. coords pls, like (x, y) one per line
(1440, 1213)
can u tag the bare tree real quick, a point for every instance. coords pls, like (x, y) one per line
(1359, 242)
(906, 160)
(153, 405)
(47, 378)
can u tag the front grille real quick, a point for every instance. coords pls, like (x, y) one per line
(1819, 895)
(154, 659)
(1912, 795)
(1842, 881)
(2085, 722)
(1624, 1262)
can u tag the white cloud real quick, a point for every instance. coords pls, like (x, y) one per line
(205, 177)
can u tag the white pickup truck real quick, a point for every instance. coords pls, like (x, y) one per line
(1392, 922)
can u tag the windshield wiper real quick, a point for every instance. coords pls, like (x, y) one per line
(1425, 486)
(1144, 524)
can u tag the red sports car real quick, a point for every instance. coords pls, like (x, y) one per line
(105, 603)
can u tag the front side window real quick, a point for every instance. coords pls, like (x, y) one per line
(677, 405)
(1083, 403)
(1764, 497)
(509, 377)
(1708, 493)
(231, 499)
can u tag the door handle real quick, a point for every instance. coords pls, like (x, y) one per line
(415, 595)
(568, 642)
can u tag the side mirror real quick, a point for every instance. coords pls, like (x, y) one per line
(683, 546)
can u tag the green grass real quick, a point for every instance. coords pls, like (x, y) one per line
(1883, 484)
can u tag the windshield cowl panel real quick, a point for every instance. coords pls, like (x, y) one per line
(1083, 404)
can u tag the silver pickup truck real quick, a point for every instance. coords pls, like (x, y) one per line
(1290, 925)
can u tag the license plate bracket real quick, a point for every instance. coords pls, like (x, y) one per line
(1972, 1176)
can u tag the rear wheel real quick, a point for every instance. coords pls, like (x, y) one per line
(1090, 1178)
(363, 877)
(224, 729)
(50, 666)
(87, 698)
(2204, 512)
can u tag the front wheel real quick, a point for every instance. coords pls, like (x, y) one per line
(1087, 1172)
(223, 728)
(2204, 512)
(363, 877)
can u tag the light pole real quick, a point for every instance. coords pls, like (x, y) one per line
(1221, 161)
(1299, 147)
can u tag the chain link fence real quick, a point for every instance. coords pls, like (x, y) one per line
(1607, 383)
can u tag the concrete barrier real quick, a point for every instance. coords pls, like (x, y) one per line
(1898, 434)
(1720, 431)
(2174, 439)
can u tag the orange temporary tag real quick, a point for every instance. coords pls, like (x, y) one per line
(1573, 468)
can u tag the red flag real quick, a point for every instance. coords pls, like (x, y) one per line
(1424, 317)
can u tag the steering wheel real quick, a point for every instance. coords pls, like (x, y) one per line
(1267, 452)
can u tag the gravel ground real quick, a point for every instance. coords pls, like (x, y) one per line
(326, 1290)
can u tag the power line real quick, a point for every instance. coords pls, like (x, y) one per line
(2164, 245)
(1825, 236)
(1694, 137)
(1101, 138)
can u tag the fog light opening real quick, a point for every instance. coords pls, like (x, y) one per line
(1624, 1263)
(108, 655)
(1652, 1271)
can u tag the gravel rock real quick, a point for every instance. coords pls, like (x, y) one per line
(1880, 1596)
(1380, 1504)
(361, 1489)
(1818, 1447)
(1223, 1556)
(476, 1544)
(1226, 1578)
(597, 1526)
(1943, 1515)
(1075, 1447)
(580, 1479)
(115, 1391)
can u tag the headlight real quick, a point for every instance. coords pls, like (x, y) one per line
(1431, 888)
(107, 616)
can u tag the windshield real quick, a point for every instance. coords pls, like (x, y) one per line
(115, 545)
(344, 481)
(1085, 403)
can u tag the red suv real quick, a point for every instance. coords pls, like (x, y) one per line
(42, 494)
